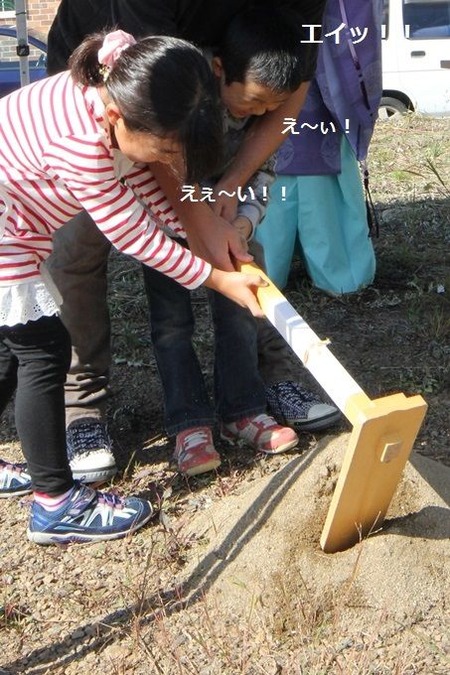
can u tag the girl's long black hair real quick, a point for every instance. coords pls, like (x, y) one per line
(163, 86)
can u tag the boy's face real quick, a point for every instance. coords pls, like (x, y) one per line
(243, 99)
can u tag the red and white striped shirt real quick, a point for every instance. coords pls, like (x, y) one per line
(55, 160)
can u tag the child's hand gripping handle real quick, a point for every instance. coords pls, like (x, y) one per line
(241, 287)
(268, 294)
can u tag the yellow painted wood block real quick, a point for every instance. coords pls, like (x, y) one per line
(380, 444)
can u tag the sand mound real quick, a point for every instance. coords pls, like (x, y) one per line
(263, 555)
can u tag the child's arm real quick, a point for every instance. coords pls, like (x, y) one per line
(121, 215)
(238, 287)
(255, 198)
(244, 226)
(209, 235)
(261, 141)
(234, 285)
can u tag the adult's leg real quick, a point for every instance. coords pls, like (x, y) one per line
(41, 350)
(332, 228)
(277, 232)
(78, 266)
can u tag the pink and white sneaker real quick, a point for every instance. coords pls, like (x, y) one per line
(195, 452)
(261, 432)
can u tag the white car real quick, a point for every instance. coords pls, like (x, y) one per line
(416, 57)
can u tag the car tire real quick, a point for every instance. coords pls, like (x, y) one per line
(391, 107)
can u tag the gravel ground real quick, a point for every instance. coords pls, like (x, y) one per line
(274, 603)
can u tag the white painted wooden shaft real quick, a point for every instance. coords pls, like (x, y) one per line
(312, 351)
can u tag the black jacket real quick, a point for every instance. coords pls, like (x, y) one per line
(200, 21)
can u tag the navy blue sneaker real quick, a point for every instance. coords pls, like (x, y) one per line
(297, 407)
(14, 480)
(89, 515)
(89, 451)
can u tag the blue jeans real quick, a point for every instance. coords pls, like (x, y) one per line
(78, 266)
(238, 387)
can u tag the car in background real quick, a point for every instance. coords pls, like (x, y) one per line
(10, 63)
(416, 57)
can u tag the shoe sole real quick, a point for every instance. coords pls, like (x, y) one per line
(277, 451)
(280, 449)
(18, 493)
(315, 425)
(201, 468)
(47, 538)
(94, 476)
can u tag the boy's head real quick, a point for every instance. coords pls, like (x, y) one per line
(260, 60)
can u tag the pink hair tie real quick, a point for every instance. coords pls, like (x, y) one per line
(112, 47)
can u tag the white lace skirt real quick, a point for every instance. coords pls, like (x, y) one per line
(25, 302)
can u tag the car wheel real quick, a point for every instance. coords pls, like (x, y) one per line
(391, 107)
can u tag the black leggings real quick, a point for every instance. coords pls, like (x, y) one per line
(34, 360)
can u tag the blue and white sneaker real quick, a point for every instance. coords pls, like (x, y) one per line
(88, 515)
(297, 407)
(14, 480)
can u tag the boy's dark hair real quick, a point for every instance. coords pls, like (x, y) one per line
(264, 45)
(162, 86)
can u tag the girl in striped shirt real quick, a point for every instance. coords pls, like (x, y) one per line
(82, 140)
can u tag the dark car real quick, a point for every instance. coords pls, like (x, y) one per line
(9, 61)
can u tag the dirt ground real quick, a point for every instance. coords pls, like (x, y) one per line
(229, 577)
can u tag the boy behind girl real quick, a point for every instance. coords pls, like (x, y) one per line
(257, 66)
(78, 265)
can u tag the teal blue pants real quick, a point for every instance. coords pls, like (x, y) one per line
(326, 215)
